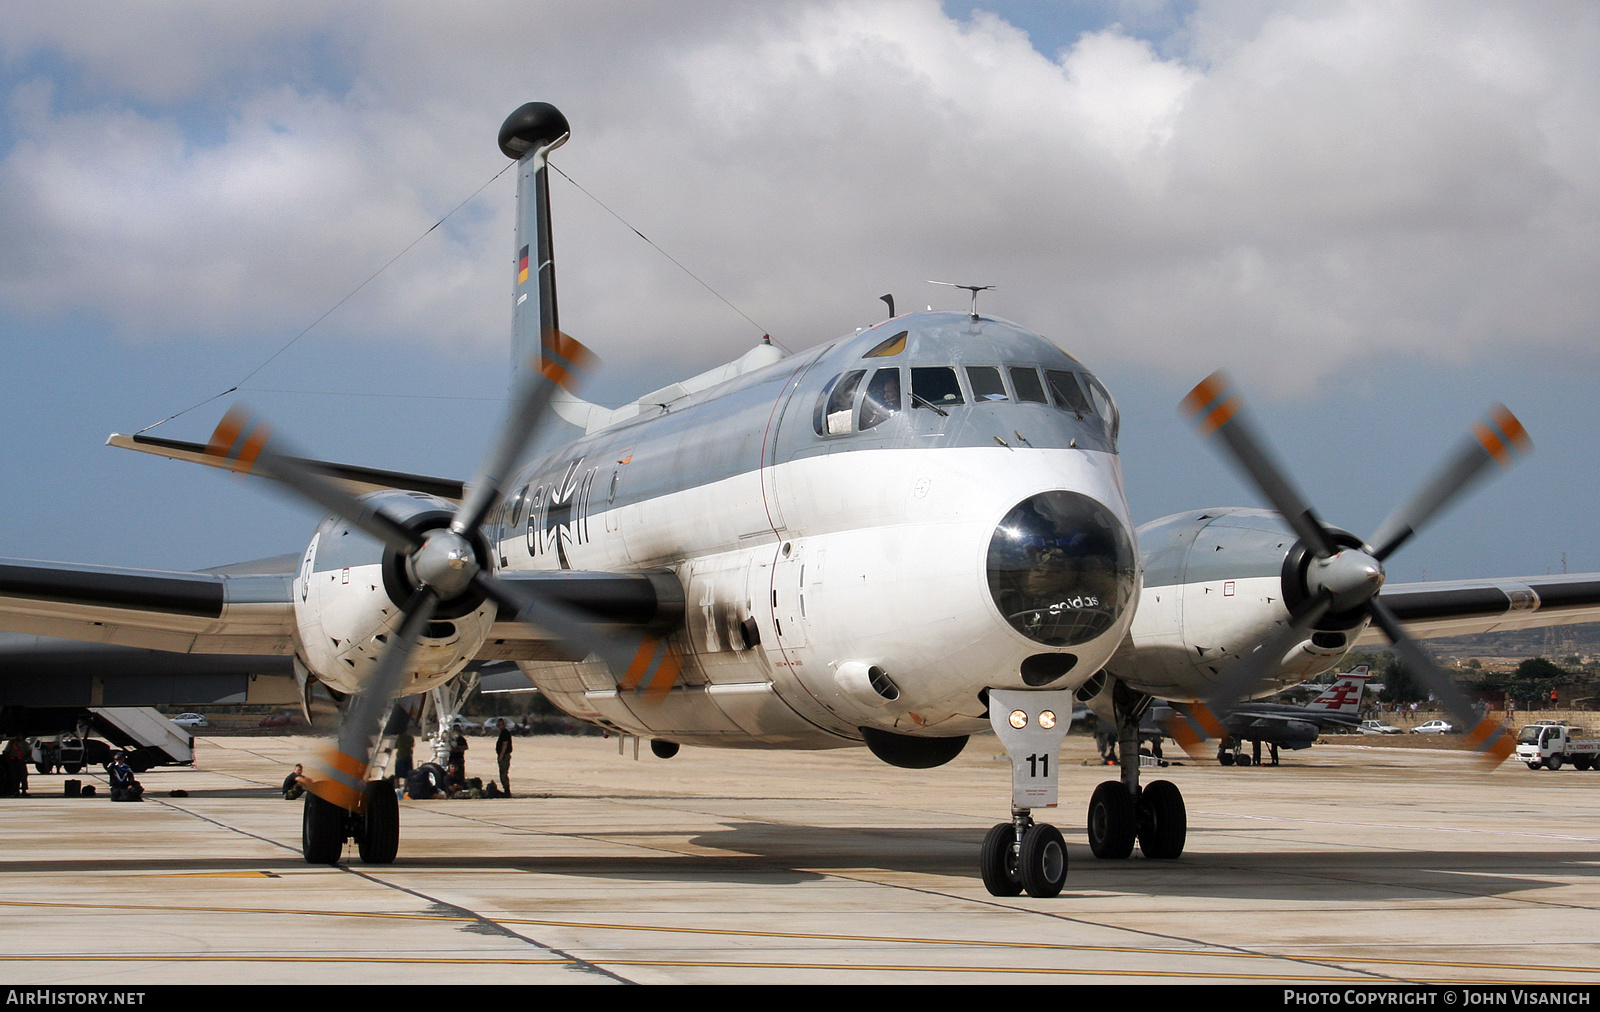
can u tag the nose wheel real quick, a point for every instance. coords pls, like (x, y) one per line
(1023, 855)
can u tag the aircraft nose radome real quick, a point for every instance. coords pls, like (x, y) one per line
(1061, 568)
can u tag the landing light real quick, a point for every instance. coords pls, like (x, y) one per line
(1019, 719)
(1047, 719)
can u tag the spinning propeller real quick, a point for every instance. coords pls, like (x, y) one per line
(1341, 579)
(443, 565)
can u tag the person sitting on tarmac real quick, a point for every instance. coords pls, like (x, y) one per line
(294, 784)
(123, 785)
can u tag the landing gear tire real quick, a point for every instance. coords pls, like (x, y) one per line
(379, 840)
(1163, 821)
(1225, 758)
(997, 863)
(321, 831)
(1112, 821)
(1241, 759)
(1043, 861)
(72, 768)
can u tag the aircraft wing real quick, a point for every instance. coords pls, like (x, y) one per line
(1465, 607)
(249, 608)
(354, 478)
(218, 612)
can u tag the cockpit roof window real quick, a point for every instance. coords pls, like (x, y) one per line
(893, 346)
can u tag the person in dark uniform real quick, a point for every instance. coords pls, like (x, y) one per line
(294, 784)
(502, 755)
(123, 785)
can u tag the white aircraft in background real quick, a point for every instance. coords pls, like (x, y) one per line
(898, 539)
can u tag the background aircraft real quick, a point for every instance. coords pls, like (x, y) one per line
(896, 539)
(1285, 725)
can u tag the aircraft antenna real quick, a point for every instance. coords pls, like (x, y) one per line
(974, 289)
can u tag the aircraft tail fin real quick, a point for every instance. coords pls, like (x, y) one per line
(529, 135)
(1344, 695)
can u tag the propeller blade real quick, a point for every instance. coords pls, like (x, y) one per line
(1498, 439)
(1205, 721)
(1214, 407)
(249, 447)
(341, 770)
(1491, 739)
(641, 662)
(565, 364)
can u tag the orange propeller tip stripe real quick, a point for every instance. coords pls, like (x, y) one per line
(1512, 427)
(1204, 393)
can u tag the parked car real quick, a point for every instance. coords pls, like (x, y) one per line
(1376, 727)
(191, 720)
(1434, 727)
(283, 719)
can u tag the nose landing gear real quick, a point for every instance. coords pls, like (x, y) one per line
(1023, 855)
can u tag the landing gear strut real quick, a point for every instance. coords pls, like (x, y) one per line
(1022, 854)
(1121, 812)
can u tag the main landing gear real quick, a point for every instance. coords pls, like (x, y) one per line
(1023, 855)
(324, 827)
(1121, 812)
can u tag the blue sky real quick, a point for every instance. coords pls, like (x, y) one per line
(1379, 217)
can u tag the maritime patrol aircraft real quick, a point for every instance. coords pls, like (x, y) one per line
(896, 539)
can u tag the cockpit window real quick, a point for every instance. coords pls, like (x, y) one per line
(986, 383)
(936, 386)
(836, 416)
(1104, 406)
(882, 401)
(1066, 391)
(1025, 381)
(893, 346)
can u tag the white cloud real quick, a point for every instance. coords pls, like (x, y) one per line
(1303, 185)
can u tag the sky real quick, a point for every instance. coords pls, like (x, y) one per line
(1378, 217)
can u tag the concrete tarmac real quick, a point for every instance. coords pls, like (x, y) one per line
(1345, 866)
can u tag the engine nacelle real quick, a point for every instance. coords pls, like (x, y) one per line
(1217, 583)
(348, 594)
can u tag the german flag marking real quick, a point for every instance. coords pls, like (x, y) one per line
(1491, 442)
(1511, 427)
(522, 266)
(1204, 393)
